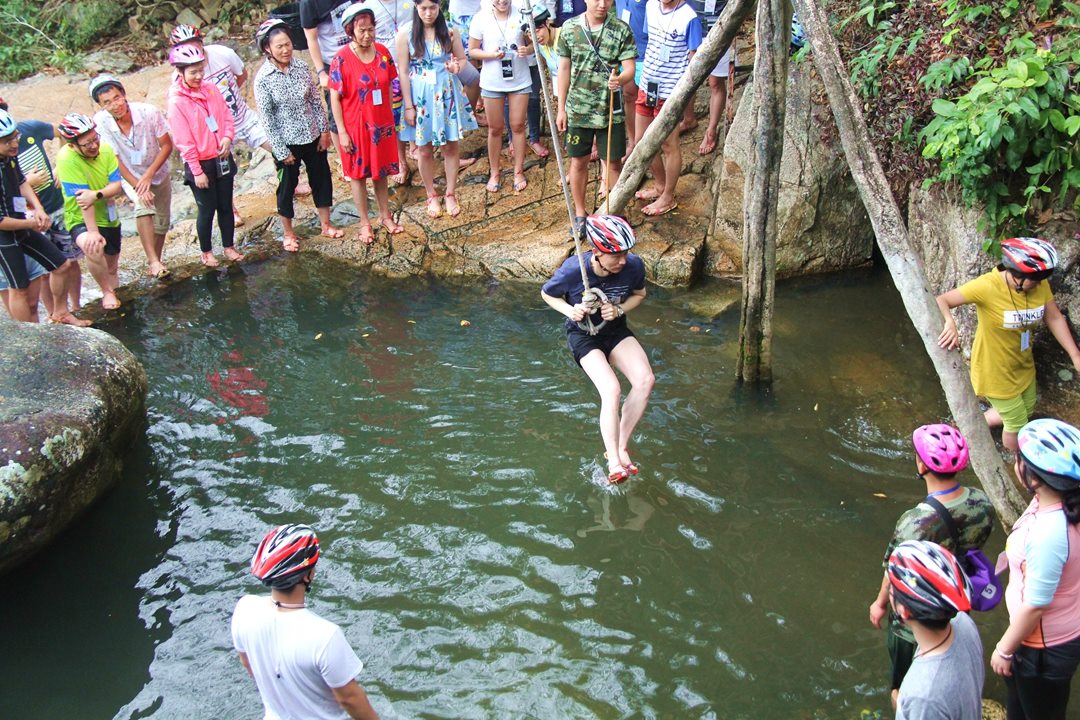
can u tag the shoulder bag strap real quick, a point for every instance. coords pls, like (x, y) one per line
(947, 519)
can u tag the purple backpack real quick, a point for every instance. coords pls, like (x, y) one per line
(986, 591)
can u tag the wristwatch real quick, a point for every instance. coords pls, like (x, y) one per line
(100, 195)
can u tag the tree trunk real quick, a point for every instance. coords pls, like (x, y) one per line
(904, 264)
(705, 59)
(762, 190)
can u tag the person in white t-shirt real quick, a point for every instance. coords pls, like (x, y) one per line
(301, 663)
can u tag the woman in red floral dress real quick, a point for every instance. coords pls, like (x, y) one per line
(360, 95)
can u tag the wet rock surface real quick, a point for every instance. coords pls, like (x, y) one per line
(71, 401)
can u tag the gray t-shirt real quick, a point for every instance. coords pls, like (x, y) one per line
(946, 686)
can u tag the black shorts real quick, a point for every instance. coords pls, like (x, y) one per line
(902, 654)
(581, 343)
(111, 234)
(16, 245)
(579, 141)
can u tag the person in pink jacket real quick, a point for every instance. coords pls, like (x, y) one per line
(202, 130)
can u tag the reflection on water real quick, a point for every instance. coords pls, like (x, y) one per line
(473, 554)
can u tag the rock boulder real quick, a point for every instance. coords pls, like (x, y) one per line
(71, 401)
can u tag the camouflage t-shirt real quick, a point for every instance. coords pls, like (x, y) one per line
(592, 55)
(973, 515)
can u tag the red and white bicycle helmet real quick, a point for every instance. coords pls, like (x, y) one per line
(928, 581)
(184, 33)
(183, 55)
(941, 447)
(285, 555)
(609, 233)
(75, 124)
(1028, 256)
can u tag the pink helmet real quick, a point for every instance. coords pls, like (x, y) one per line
(941, 447)
(184, 55)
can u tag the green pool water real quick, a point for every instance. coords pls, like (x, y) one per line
(470, 552)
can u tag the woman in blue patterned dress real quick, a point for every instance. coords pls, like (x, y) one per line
(437, 113)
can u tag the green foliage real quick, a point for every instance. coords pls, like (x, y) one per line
(1011, 141)
(871, 61)
(87, 21)
(21, 50)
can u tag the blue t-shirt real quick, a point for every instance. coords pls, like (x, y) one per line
(632, 12)
(32, 157)
(566, 283)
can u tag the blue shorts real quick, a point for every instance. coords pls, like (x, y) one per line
(33, 271)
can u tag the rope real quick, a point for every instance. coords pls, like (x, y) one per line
(590, 296)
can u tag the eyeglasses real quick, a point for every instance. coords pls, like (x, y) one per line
(12, 139)
(90, 142)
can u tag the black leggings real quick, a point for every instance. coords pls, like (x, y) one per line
(14, 246)
(318, 172)
(1039, 686)
(216, 197)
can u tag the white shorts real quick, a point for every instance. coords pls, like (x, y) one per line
(721, 69)
(251, 131)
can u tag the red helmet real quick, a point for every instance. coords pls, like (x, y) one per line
(609, 233)
(1028, 256)
(184, 33)
(928, 581)
(75, 124)
(941, 447)
(285, 555)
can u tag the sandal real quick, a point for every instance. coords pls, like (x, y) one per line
(520, 183)
(160, 273)
(493, 185)
(390, 226)
(365, 234)
(209, 260)
(617, 476)
(329, 231)
(453, 210)
(291, 243)
(434, 209)
(113, 304)
(233, 255)
(538, 149)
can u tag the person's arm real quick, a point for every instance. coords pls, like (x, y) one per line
(165, 148)
(246, 663)
(611, 311)
(1059, 328)
(344, 140)
(401, 52)
(37, 214)
(182, 129)
(1021, 625)
(574, 312)
(315, 52)
(241, 77)
(880, 607)
(629, 68)
(563, 83)
(354, 701)
(949, 337)
(126, 173)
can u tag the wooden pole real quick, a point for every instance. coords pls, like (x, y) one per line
(705, 59)
(904, 264)
(762, 191)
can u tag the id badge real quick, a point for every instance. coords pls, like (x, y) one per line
(427, 77)
(19, 204)
(665, 54)
(1002, 563)
(1025, 341)
(376, 96)
(710, 7)
(223, 168)
(625, 16)
(136, 158)
(652, 93)
(110, 210)
(211, 123)
(507, 68)
(567, 7)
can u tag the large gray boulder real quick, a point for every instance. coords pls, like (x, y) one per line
(822, 225)
(71, 402)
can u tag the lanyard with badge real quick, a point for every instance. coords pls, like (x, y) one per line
(665, 49)
(18, 203)
(602, 65)
(223, 166)
(1025, 328)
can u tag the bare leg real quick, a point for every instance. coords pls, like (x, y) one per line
(607, 385)
(670, 159)
(717, 104)
(629, 92)
(427, 168)
(579, 177)
(145, 226)
(18, 304)
(35, 297)
(451, 165)
(382, 199)
(58, 288)
(630, 359)
(657, 166)
(99, 270)
(493, 108)
(519, 108)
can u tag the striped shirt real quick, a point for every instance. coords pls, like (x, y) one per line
(673, 35)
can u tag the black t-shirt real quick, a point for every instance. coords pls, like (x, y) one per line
(314, 12)
(11, 178)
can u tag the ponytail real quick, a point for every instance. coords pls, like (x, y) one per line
(1070, 502)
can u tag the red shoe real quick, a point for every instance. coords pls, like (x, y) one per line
(618, 476)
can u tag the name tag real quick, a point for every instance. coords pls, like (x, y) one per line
(111, 211)
(376, 96)
(135, 157)
(567, 7)
(710, 7)
(625, 16)
(665, 54)
(19, 204)
(1025, 341)
(427, 76)
(211, 123)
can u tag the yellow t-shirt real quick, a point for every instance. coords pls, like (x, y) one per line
(1002, 365)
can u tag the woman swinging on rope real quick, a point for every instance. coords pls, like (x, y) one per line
(612, 281)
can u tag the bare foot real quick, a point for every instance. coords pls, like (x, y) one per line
(69, 319)
(332, 232)
(209, 260)
(708, 144)
(157, 270)
(649, 193)
(109, 301)
(302, 189)
(237, 220)
(685, 127)
(233, 255)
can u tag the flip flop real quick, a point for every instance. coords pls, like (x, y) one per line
(657, 213)
(617, 476)
(434, 209)
(209, 260)
(368, 238)
(390, 226)
(647, 194)
(493, 186)
(630, 467)
(291, 243)
(521, 184)
(538, 149)
(451, 210)
(332, 232)
(234, 256)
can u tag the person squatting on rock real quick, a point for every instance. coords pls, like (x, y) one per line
(22, 221)
(674, 35)
(620, 275)
(1039, 652)
(226, 71)
(288, 100)
(1010, 301)
(361, 78)
(930, 593)
(34, 162)
(202, 129)
(138, 134)
(90, 181)
(302, 664)
(437, 113)
(941, 452)
(596, 57)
